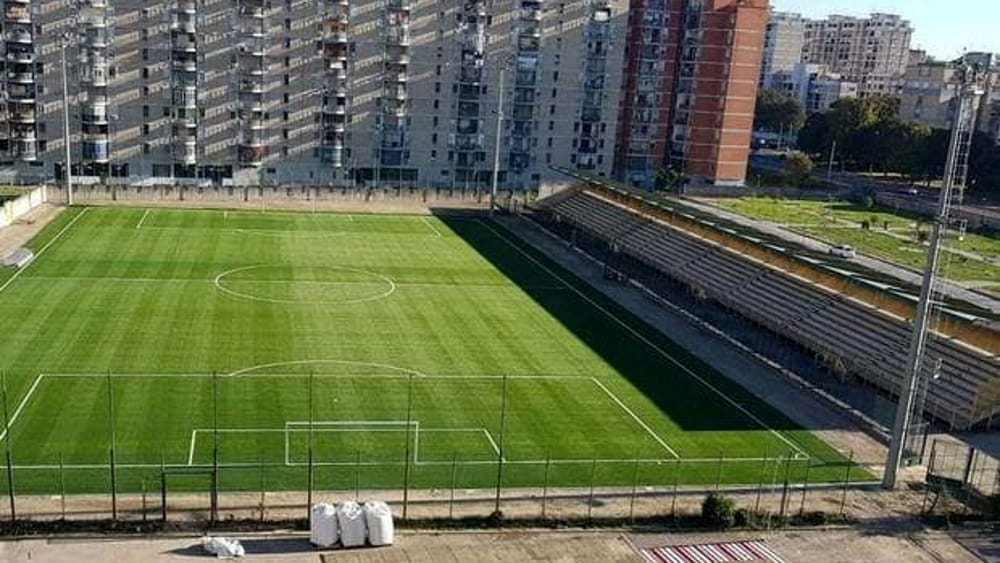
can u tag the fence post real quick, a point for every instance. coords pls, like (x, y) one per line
(635, 485)
(805, 487)
(263, 484)
(784, 490)
(310, 468)
(760, 482)
(7, 447)
(62, 486)
(590, 498)
(847, 479)
(163, 486)
(673, 496)
(545, 485)
(143, 499)
(213, 513)
(718, 473)
(406, 462)
(500, 459)
(111, 448)
(454, 478)
(357, 475)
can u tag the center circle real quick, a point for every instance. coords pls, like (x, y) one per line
(304, 285)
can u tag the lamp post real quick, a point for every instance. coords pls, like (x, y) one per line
(67, 155)
(496, 146)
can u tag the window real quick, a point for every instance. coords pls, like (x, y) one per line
(437, 87)
(555, 93)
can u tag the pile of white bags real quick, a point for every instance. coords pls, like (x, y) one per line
(379, 520)
(353, 531)
(351, 524)
(323, 528)
(223, 548)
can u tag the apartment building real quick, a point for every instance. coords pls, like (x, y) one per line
(872, 51)
(783, 41)
(930, 94)
(815, 87)
(365, 92)
(690, 88)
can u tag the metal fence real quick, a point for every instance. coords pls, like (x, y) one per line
(959, 472)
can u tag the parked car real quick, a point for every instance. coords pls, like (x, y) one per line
(843, 251)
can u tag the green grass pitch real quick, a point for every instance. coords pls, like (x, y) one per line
(179, 337)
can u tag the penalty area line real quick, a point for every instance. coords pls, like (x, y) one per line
(636, 418)
(21, 405)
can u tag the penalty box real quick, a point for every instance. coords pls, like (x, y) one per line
(170, 417)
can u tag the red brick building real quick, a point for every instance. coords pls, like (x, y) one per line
(692, 68)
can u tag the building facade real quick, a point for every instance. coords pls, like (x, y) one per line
(930, 95)
(813, 86)
(872, 52)
(359, 93)
(783, 42)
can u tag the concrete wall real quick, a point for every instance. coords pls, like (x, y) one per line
(977, 219)
(16, 208)
(298, 197)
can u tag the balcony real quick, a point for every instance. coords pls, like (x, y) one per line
(21, 113)
(185, 97)
(95, 36)
(24, 150)
(19, 35)
(94, 114)
(187, 7)
(95, 150)
(251, 102)
(251, 155)
(21, 77)
(185, 151)
(252, 85)
(17, 13)
(20, 53)
(185, 63)
(184, 42)
(184, 23)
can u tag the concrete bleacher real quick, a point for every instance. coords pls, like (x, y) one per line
(855, 336)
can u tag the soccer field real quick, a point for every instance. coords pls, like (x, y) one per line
(377, 346)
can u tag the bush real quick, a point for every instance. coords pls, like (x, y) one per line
(718, 511)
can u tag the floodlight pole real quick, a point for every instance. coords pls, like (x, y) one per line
(67, 154)
(963, 124)
(496, 146)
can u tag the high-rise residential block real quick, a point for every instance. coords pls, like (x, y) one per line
(394, 92)
(783, 42)
(872, 51)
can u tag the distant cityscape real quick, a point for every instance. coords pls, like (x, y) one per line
(820, 61)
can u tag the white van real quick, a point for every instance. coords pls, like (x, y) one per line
(843, 251)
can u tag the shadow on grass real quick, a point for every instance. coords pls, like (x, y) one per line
(669, 379)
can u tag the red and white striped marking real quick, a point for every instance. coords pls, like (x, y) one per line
(712, 553)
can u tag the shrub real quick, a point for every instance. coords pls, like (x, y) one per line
(718, 511)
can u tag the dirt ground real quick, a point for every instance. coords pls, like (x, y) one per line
(832, 546)
(19, 233)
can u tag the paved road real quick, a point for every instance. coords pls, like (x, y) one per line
(949, 288)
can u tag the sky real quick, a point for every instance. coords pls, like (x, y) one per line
(944, 28)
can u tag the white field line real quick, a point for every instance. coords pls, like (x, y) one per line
(43, 249)
(142, 220)
(21, 405)
(333, 376)
(539, 462)
(493, 443)
(431, 226)
(194, 437)
(635, 417)
(644, 340)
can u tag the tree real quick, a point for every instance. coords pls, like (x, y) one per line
(799, 167)
(776, 111)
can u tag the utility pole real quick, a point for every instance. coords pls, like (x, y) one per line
(67, 155)
(829, 165)
(955, 170)
(496, 146)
